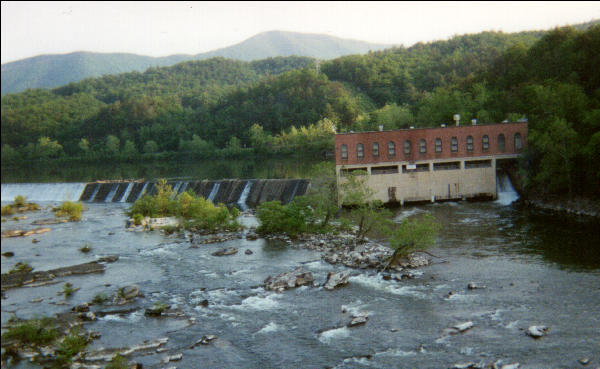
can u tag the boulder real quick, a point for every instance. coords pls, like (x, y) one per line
(129, 292)
(225, 251)
(463, 327)
(537, 331)
(414, 261)
(359, 319)
(296, 278)
(335, 280)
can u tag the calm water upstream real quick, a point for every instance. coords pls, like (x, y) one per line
(538, 270)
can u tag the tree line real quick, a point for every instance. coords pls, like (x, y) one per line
(221, 107)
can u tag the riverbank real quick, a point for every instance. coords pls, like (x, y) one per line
(578, 206)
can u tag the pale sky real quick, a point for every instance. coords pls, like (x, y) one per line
(166, 28)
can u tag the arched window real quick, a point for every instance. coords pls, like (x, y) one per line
(485, 143)
(518, 141)
(344, 149)
(469, 143)
(438, 145)
(375, 149)
(454, 144)
(360, 151)
(391, 148)
(422, 146)
(501, 144)
(406, 147)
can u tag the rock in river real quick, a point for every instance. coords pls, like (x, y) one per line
(537, 331)
(225, 251)
(296, 278)
(335, 280)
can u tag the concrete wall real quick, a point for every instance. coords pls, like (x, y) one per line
(469, 180)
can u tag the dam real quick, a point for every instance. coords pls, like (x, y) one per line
(244, 193)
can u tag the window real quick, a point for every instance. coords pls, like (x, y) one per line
(384, 170)
(344, 149)
(375, 149)
(407, 147)
(470, 143)
(422, 146)
(454, 144)
(518, 141)
(485, 143)
(438, 145)
(360, 151)
(501, 144)
(391, 148)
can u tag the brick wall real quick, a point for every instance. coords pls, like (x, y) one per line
(398, 137)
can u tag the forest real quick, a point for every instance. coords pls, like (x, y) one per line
(294, 105)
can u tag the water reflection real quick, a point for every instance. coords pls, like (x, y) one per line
(202, 169)
(489, 229)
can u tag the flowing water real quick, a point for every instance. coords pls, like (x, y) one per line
(537, 269)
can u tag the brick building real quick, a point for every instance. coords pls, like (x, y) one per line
(430, 164)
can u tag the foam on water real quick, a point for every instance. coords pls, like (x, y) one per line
(271, 327)
(334, 334)
(407, 213)
(377, 282)
(355, 308)
(260, 303)
(394, 352)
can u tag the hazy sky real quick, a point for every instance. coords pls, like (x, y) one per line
(165, 28)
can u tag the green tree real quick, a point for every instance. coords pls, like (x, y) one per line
(413, 234)
(129, 150)
(112, 145)
(322, 195)
(368, 214)
(557, 148)
(150, 147)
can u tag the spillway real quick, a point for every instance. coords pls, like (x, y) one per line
(242, 193)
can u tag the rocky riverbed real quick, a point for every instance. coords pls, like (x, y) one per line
(182, 300)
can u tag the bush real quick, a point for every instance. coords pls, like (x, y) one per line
(198, 212)
(20, 267)
(71, 344)
(291, 219)
(68, 289)
(8, 210)
(35, 331)
(69, 209)
(19, 205)
(413, 234)
(85, 248)
(99, 299)
(19, 201)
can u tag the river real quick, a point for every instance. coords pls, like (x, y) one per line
(537, 269)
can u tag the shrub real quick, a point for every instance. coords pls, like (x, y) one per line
(69, 209)
(198, 212)
(118, 362)
(413, 234)
(8, 210)
(19, 201)
(99, 299)
(68, 289)
(41, 331)
(86, 248)
(20, 267)
(71, 344)
(291, 219)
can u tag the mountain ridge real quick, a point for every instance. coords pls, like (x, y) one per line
(53, 70)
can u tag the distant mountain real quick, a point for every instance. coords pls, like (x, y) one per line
(47, 71)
